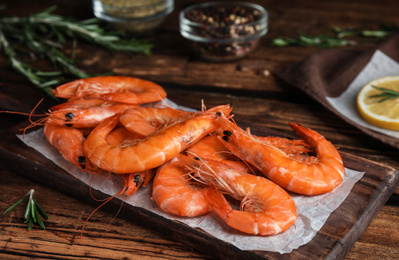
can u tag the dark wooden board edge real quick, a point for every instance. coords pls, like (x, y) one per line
(375, 187)
(64, 182)
(331, 242)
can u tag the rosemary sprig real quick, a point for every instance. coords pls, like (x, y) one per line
(326, 41)
(386, 94)
(33, 211)
(43, 35)
(321, 40)
(384, 31)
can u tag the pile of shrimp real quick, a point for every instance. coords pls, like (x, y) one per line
(199, 162)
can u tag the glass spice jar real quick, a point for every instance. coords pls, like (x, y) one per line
(133, 16)
(224, 31)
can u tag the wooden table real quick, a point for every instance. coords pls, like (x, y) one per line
(248, 84)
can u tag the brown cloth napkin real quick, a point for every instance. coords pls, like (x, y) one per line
(328, 73)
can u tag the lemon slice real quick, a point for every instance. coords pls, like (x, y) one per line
(384, 114)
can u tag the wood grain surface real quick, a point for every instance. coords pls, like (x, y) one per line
(258, 97)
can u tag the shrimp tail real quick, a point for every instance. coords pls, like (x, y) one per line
(308, 135)
(67, 90)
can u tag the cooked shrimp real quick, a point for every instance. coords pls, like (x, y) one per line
(148, 120)
(69, 142)
(210, 147)
(310, 176)
(88, 117)
(265, 208)
(175, 191)
(113, 88)
(154, 150)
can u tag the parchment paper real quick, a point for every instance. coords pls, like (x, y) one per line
(313, 211)
(379, 66)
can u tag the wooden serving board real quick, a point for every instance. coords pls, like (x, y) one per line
(342, 229)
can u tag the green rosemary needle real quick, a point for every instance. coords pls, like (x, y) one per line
(43, 36)
(33, 211)
(321, 40)
(326, 41)
(382, 32)
(386, 94)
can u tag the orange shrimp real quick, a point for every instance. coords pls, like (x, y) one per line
(176, 192)
(88, 117)
(113, 88)
(147, 120)
(69, 142)
(154, 150)
(310, 176)
(210, 147)
(265, 208)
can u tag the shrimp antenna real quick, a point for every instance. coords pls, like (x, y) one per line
(114, 217)
(218, 181)
(163, 103)
(203, 107)
(160, 103)
(91, 192)
(91, 153)
(92, 213)
(30, 115)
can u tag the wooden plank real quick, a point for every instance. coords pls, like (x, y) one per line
(334, 240)
(172, 63)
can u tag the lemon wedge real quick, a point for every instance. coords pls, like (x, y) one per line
(376, 110)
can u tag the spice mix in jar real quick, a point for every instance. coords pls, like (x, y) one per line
(133, 16)
(224, 31)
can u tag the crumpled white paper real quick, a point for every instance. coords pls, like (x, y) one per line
(313, 211)
(380, 65)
